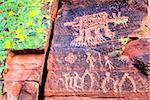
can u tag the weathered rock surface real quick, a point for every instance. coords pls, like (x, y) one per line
(94, 51)
(22, 76)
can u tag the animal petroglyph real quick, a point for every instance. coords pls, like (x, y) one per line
(108, 79)
(123, 20)
(90, 59)
(88, 23)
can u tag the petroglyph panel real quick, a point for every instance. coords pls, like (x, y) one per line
(91, 72)
(95, 24)
(87, 54)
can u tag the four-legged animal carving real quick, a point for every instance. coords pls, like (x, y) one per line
(88, 23)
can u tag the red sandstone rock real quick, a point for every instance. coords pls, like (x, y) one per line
(29, 91)
(22, 75)
(22, 68)
(85, 32)
(51, 62)
(21, 90)
(24, 61)
(11, 90)
(137, 48)
(126, 97)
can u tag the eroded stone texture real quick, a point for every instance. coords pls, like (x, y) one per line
(131, 96)
(139, 53)
(22, 76)
(29, 91)
(93, 51)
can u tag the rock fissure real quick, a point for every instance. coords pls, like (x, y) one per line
(47, 51)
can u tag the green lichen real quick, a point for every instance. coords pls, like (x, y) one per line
(2, 59)
(124, 40)
(23, 25)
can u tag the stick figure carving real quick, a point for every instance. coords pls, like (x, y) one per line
(90, 59)
(108, 63)
(71, 81)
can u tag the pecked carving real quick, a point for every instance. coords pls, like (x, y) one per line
(90, 59)
(127, 76)
(88, 23)
(108, 79)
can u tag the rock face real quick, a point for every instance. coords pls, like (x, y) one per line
(94, 51)
(100, 49)
(22, 76)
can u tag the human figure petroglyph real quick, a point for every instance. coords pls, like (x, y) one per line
(127, 76)
(71, 81)
(108, 63)
(100, 61)
(108, 79)
(94, 22)
(90, 59)
(75, 82)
